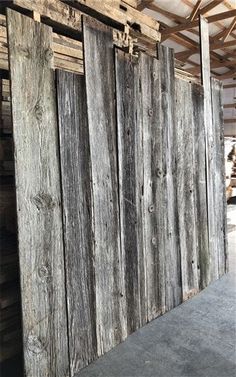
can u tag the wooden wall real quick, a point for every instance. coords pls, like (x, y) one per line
(111, 191)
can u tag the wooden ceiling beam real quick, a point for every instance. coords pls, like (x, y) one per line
(228, 75)
(229, 86)
(210, 6)
(230, 120)
(195, 10)
(166, 13)
(190, 25)
(218, 23)
(224, 63)
(213, 46)
(229, 106)
(229, 30)
(143, 4)
(220, 45)
(179, 19)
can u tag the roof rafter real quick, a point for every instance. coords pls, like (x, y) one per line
(195, 10)
(189, 25)
(143, 4)
(213, 4)
(229, 30)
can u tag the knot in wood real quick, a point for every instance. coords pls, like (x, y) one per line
(34, 344)
(44, 273)
(43, 201)
(48, 55)
(150, 112)
(38, 112)
(24, 51)
(151, 208)
(154, 241)
(159, 173)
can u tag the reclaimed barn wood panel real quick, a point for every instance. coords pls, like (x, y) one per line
(77, 211)
(211, 259)
(109, 263)
(219, 177)
(173, 293)
(113, 201)
(130, 158)
(200, 185)
(185, 170)
(38, 197)
(153, 210)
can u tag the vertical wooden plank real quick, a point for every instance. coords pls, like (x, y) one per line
(200, 185)
(219, 176)
(153, 186)
(77, 210)
(172, 250)
(38, 197)
(109, 263)
(185, 170)
(129, 132)
(212, 262)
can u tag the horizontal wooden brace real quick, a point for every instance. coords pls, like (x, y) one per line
(230, 106)
(190, 25)
(229, 86)
(213, 46)
(230, 120)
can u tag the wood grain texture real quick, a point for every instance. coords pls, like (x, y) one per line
(153, 211)
(109, 267)
(212, 272)
(185, 170)
(130, 186)
(76, 189)
(38, 197)
(219, 177)
(200, 185)
(171, 243)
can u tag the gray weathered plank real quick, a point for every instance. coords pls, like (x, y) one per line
(200, 185)
(219, 177)
(109, 267)
(171, 242)
(130, 186)
(185, 170)
(153, 186)
(212, 272)
(38, 197)
(77, 214)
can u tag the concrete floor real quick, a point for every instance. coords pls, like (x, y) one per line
(197, 339)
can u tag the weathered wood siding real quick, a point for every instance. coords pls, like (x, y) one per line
(112, 193)
(200, 185)
(38, 192)
(219, 177)
(130, 186)
(185, 170)
(212, 260)
(109, 266)
(78, 236)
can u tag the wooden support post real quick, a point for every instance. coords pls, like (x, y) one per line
(210, 259)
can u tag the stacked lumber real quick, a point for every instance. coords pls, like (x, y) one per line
(10, 319)
(68, 52)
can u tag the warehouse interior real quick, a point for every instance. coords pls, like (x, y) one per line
(117, 188)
